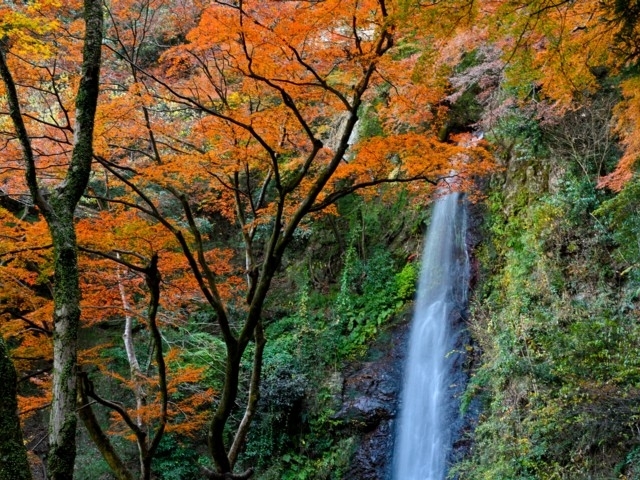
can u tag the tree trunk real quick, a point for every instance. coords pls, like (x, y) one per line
(135, 371)
(215, 438)
(66, 317)
(137, 379)
(13, 454)
(254, 396)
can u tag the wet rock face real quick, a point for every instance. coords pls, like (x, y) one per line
(370, 396)
(372, 460)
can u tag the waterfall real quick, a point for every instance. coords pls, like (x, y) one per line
(428, 411)
(334, 135)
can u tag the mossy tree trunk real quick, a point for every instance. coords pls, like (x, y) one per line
(66, 316)
(13, 454)
(58, 210)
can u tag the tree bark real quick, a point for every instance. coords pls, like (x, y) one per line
(215, 437)
(13, 454)
(66, 318)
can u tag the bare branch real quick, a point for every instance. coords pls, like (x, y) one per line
(113, 258)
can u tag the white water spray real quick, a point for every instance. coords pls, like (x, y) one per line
(428, 408)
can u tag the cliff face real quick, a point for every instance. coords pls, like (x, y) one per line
(369, 390)
(555, 312)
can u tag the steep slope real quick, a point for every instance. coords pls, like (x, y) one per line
(556, 310)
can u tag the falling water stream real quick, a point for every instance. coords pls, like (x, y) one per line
(428, 408)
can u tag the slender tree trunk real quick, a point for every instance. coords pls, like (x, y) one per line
(254, 396)
(13, 454)
(215, 438)
(136, 376)
(129, 345)
(145, 467)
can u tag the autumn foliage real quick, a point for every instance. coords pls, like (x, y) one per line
(222, 128)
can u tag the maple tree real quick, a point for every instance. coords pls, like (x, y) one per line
(57, 203)
(156, 410)
(27, 262)
(254, 89)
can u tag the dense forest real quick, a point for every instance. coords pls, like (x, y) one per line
(211, 218)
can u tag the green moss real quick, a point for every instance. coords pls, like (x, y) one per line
(369, 124)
